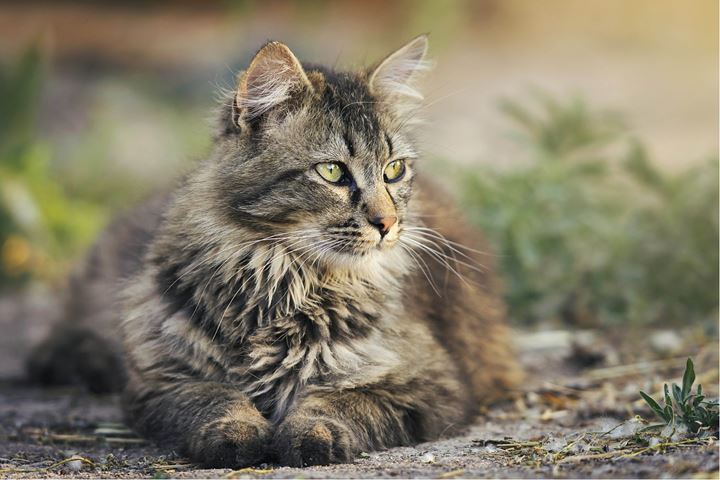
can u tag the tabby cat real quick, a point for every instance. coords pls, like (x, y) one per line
(302, 296)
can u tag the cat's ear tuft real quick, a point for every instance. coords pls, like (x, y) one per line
(394, 76)
(274, 75)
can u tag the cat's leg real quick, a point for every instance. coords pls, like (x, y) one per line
(213, 423)
(333, 426)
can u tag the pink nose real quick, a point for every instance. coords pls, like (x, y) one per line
(383, 224)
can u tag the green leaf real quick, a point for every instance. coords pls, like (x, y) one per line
(669, 414)
(688, 378)
(653, 405)
(653, 427)
(678, 395)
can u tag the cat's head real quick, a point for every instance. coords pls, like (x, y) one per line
(321, 158)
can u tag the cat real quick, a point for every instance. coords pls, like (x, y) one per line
(303, 294)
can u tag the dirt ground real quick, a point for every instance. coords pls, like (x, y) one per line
(576, 417)
(42, 429)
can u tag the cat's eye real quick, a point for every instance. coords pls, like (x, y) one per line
(333, 172)
(394, 171)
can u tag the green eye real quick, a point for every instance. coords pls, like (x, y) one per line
(331, 171)
(394, 171)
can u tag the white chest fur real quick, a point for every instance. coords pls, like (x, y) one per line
(285, 359)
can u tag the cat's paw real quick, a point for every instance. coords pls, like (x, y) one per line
(233, 442)
(310, 440)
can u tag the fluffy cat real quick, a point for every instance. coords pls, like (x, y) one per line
(302, 296)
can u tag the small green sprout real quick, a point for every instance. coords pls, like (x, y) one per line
(690, 408)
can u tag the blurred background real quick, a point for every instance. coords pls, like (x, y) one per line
(581, 135)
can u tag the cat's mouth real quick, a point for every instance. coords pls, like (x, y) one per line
(362, 247)
(386, 242)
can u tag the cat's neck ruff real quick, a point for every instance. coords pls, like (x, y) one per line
(249, 282)
(288, 281)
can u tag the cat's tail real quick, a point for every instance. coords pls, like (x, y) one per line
(84, 349)
(76, 356)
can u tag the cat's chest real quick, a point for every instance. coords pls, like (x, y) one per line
(331, 344)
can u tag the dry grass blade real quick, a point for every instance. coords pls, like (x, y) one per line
(634, 368)
(81, 439)
(48, 468)
(243, 471)
(71, 438)
(683, 443)
(592, 456)
(630, 452)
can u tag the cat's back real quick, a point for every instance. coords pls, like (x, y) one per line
(117, 255)
(454, 289)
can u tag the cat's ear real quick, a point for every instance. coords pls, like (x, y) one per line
(395, 75)
(274, 75)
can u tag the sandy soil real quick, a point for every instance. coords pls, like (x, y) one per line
(42, 428)
(574, 418)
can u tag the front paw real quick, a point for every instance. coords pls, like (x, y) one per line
(233, 442)
(311, 440)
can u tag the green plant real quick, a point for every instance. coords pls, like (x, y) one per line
(41, 226)
(691, 409)
(58, 187)
(589, 231)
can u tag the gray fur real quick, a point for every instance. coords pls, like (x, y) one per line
(269, 320)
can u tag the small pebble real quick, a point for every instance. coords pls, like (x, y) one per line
(491, 448)
(75, 464)
(428, 458)
(666, 342)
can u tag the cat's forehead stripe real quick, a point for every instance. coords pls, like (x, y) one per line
(346, 97)
(349, 144)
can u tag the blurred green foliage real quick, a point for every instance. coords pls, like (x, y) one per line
(590, 232)
(40, 226)
(56, 192)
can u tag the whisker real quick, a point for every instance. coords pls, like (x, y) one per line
(479, 268)
(415, 257)
(475, 265)
(445, 239)
(439, 256)
(319, 248)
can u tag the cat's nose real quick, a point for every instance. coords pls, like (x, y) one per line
(383, 224)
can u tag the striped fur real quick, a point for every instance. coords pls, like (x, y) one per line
(268, 320)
